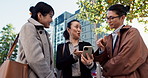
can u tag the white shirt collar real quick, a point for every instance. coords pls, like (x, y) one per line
(118, 29)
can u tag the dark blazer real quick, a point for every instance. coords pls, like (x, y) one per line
(64, 61)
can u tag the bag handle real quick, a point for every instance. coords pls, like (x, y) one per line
(15, 42)
(12, 47)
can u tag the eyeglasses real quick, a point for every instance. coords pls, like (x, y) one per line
(111, 18)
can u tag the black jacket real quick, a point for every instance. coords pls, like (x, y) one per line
(64, 61)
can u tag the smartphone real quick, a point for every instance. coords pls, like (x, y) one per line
(87, 49)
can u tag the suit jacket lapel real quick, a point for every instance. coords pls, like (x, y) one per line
(50, 48)
(116, 50)
(67, 51)
(109, 45)
(44, 40)
(117, 45)
(46, 45)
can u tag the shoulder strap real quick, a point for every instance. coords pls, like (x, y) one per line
(63, 49)
(12, 47)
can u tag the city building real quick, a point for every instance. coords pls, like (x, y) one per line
(59, 27)
(60, 24)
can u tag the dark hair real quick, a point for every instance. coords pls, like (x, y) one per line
(119, 9)
(66, 34)
(41, 7)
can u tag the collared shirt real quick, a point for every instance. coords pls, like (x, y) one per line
(115, 35)
(76, 66)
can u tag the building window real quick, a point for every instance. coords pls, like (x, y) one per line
(83, 29)
(83, 36)
(61, 37)
(61, 28)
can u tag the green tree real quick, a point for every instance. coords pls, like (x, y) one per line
(7, 36)
(95, 11)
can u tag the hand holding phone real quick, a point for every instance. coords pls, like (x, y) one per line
(87, 57)
(87, 49)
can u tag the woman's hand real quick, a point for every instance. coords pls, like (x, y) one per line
(88, 60)
(77, 53)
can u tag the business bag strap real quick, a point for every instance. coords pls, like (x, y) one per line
(12, 47)
(61, 75)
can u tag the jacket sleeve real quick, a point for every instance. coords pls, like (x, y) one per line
(132, 53)
(34, 52)
(101, 58)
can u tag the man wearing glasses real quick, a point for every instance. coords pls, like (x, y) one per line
(123, 53)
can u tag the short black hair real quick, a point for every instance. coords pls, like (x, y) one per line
(119, 9)
(41, 7)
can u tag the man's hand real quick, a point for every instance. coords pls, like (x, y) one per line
(102, 43)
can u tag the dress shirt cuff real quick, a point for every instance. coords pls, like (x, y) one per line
(100, 51)
(90, 66)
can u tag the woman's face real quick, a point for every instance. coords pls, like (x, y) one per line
(75, 30)
(114, 20)
(45, 20)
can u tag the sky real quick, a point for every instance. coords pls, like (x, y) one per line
(16, 12)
